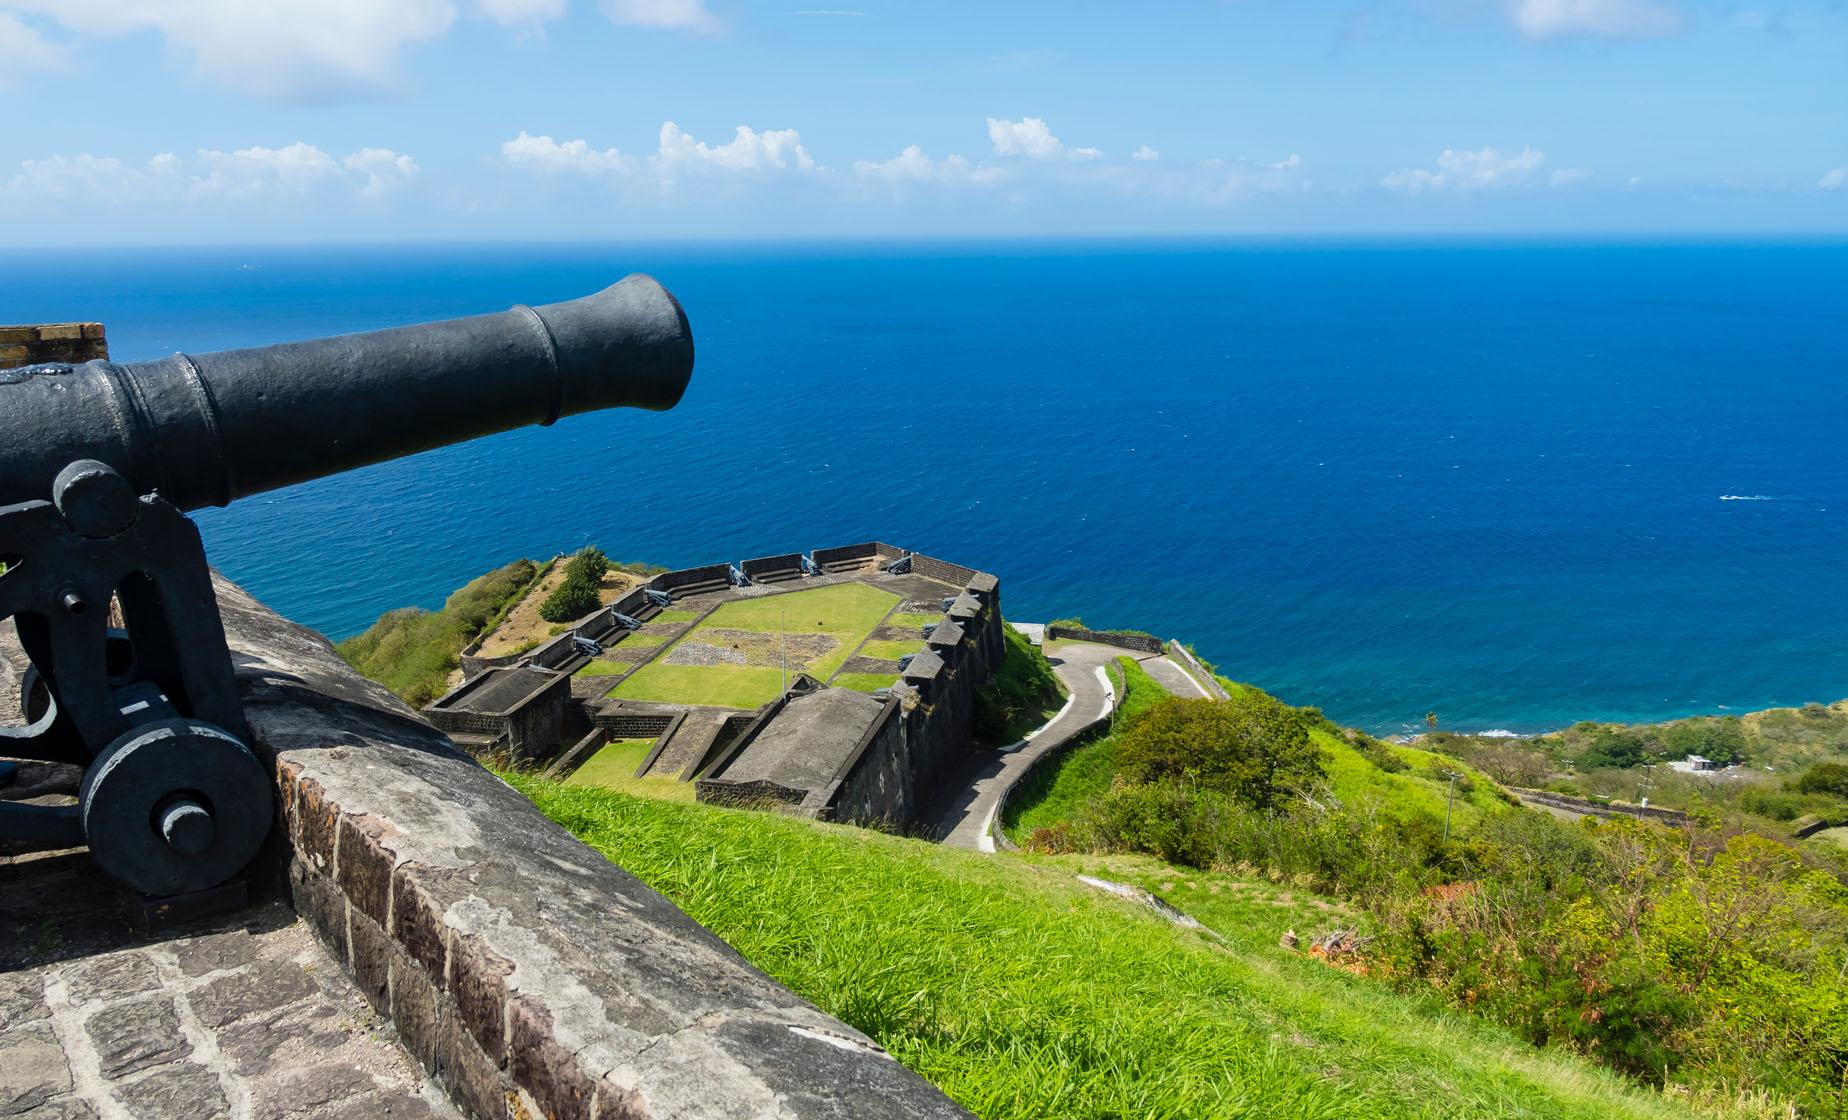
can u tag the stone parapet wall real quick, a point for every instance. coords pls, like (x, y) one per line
(1192, 666)
(52, 342)
(529, 975)
(768, 569)
(1141, 643)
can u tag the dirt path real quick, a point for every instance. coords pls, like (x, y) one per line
(523, 628)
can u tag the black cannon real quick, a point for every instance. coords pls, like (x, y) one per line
(98, 463)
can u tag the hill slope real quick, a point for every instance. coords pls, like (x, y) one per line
(1026, 995)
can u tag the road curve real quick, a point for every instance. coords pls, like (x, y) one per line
(960, 816)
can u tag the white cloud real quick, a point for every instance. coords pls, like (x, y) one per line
(542, 153)
(255, 174)
(384, 169)
(24, 53)
(1484, 169)
(1834, 180)
(772, 150)
(1567, 177)
(1145, 154)
(523, 15)
(913, 166)
(1032, 139)
(1607, 19)
(277, 48)
(683, 15)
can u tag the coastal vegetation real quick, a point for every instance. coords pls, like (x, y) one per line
(1024, 994)
(578, 595)
(1024, 694)
(1705, 960)
(413, 651)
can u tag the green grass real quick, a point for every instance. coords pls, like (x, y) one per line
(1024, 694)
(598, 667)
(1058, 790)
(1084, 773)
(864, 682)
(846, 612)
(909, 620)
(613, 768)
(1026, 995)
(890, 650)
(718, 686)
(1835, 835)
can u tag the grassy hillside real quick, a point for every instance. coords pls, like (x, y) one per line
(1026, 995)
(412, 651)
(1358, 769)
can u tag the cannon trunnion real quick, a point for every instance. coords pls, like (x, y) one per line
(98, 463)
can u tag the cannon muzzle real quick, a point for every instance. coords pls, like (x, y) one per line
(206, 430)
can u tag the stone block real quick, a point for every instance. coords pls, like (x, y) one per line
(64, 1108)
(417, 923)
(22, 999)
(416, 1009)
(176, 1092)
(15, 335)
(32, 1069)
(265, 986)
(216, 952)
(474, 1080)
(318, 821)
(111, 977)
(60, 331)
(317, 900)
(363, 868)
(135, 1036)
(617, 1103)
(542, 1067)
(294, 1092)
(478, 984)
(15, 353)
(371, 960)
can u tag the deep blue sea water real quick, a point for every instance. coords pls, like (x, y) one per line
(1518, 484)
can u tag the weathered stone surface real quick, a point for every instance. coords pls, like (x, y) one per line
(175, 1092)
(381, 1106)
(298, 1091)
(22, 999)
(214, 952)
(32, 1069)
(111, 977)
(267, 986)
(134, 1036)
(65, 1108)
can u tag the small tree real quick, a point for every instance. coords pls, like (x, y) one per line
(1252, 747)
(1825, 777)
(570, 601)
(589, 564)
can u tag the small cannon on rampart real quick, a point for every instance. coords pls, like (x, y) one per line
(99, 462)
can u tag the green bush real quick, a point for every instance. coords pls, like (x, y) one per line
(570, 600)
(1825, 777)
(588, 564)
(412, 651)
(1252, 748)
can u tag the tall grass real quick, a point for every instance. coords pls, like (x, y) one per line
(1024, 995)
(412, 651)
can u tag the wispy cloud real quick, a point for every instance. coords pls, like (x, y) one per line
(1607, 19)
(1465, 171)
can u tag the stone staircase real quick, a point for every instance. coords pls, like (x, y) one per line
(697, 734)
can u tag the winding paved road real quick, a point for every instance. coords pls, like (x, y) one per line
(960, 817)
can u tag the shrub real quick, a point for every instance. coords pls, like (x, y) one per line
(1252, 748)
(570, 600)
(588, 564)
(1613, 748)
(1825, 777)
(412, 651)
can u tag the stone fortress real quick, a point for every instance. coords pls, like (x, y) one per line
(866, 745)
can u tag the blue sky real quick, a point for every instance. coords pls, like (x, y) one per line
(237, 121)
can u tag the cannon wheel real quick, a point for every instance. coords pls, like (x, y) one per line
(174, 806)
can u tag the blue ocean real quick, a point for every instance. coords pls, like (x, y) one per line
(1517, 484)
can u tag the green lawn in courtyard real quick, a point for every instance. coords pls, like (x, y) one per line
(907, 620)
(865, 682)
(613, 767)
(719, 686)
(891, 651)
(845, 612)
(602, 668)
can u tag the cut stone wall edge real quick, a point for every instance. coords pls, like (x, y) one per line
(520, 966)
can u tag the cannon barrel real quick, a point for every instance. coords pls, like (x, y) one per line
(207, 430)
